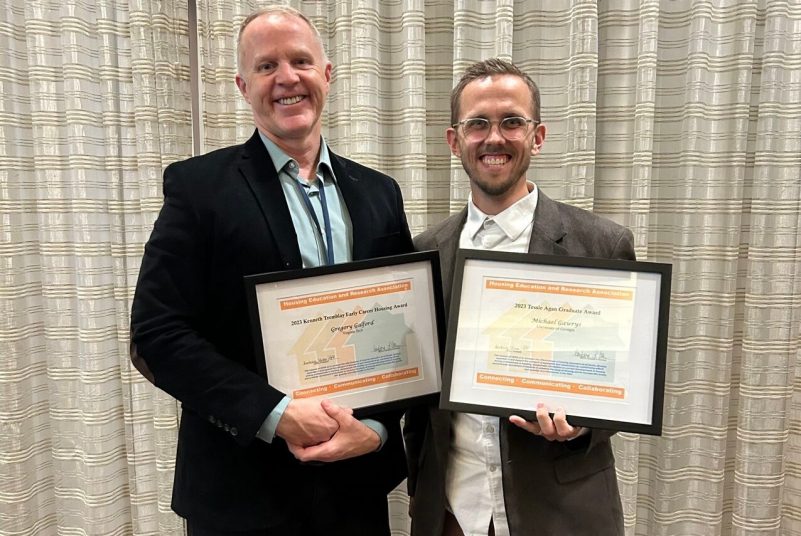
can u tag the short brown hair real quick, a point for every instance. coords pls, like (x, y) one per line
(492, 67)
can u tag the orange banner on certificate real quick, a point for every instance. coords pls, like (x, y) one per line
(342, 295)
(357, 383)
(555, 288)
(551, 385)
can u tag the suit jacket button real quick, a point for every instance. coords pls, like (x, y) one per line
(219, 423)
(234, 431)
(227, 428)
(212, 420)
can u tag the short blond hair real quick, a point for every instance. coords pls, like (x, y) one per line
(275, 9)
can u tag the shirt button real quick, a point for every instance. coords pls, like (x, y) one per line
(490, 429)
(492, 468)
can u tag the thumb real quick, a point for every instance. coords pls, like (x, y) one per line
(337, 413)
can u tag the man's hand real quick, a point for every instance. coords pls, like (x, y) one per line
(556, 429)
(352, 439)
(306, 423)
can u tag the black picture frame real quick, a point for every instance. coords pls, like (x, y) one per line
(349, 279)
(517, 393)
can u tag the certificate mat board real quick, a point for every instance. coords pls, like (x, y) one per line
(364, 334)
(587, 335)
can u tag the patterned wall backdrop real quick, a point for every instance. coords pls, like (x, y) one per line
(678, 118)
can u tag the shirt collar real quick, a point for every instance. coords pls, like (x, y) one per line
(513, 220)
(281, 159)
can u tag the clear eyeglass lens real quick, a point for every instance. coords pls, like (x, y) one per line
(512, 128)
(476, 126)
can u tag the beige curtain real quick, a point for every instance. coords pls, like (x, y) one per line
(93, 104)
(680, 119)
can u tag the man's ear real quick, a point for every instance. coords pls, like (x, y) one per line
(243, 87)
(538, 139)
(327, 71)
(450, 135)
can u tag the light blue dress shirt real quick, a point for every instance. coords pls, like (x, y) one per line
(310, 240)
(312, 237)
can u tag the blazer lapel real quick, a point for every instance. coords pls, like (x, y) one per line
(447, 239)
(354, 197)
(546, 237)
(259, 172)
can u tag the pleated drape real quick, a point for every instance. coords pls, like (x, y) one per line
(678, 118)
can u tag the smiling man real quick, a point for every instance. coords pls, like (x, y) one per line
(251, 460)
(477, 475)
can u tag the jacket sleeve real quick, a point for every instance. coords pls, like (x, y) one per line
(623, 250)
(172, 320)
(416, 419)
(414, 429)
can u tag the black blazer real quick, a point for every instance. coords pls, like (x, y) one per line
(225, 216)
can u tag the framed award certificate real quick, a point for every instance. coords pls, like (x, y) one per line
(586, 335)
(365, 334)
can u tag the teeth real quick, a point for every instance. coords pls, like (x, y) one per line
(494, 160)
(290, 100)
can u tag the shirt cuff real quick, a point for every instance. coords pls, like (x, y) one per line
(378, 428)
(267, 431)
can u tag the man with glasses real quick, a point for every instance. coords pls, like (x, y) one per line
(477, 475)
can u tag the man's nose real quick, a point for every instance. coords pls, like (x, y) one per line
(285, 73)
(494, 135)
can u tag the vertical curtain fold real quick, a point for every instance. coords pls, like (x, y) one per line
(225, 116)
(770, 330)
(159, 120)
(79, 194)
(26, 467)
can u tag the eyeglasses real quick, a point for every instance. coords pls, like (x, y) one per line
(511, 128)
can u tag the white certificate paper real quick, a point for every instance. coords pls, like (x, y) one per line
(583, 338)
(361, 337)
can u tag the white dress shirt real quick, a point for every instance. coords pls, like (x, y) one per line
(473, 482)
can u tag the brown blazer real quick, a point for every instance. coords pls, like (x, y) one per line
(550, 488)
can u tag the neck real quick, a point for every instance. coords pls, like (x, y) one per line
(494, 204)
(305, 151)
